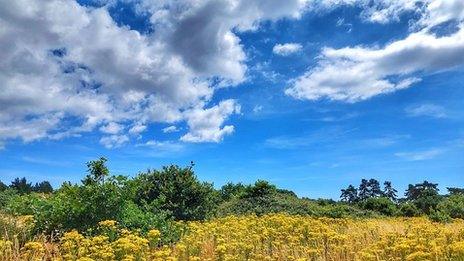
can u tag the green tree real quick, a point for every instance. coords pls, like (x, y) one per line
(369, 189)
(453, 206)
(231, 190)
(97, 171)
(389, 191)
(3, 186)
(43, 187)
(424, 196)
(381, 205)
(350, 194)
(455, 191)
(177, 191)
(21, 185)
(259, 189)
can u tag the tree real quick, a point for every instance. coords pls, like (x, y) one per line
(231, 190)
(424, 195)
(369, 189)
(97, 171)
(43, 187)
(176, 190)
(455, 191)
(21, 185)
(389, 191)
(3, 186)
(382, 205)
(350, 194)
(421, 189)
(259, 189)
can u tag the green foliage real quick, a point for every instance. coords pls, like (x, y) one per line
(350, 194)
(26, 204)
(231, 190)
(261, 188)
(43, 187)
(439, 216)
(21, 186)
(6, 196)
(80, 207)
(455, 191)
(97, 171)
(408, 209)
(453, 206)
(3, 186)
(382, 205)
(177, 191)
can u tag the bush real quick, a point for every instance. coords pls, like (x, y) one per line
(176, 191)
(453, 206)
(409, 210)
(80, 207)
(381, 205)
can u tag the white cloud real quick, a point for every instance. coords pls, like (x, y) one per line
(420, 155)
(170, 129)
(141, 78)
(137, 129)
(163, 146)
(358, 73)
(206, 125)
(429, 110)
(114, 141)
(112, 128)
(286, 49)
(353, 74)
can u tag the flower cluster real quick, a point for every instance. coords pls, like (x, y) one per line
(269, 237)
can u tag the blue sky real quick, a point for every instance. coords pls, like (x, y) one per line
(310, 95)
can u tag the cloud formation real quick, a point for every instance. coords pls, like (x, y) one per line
(352, 74)
(66, 69)
(286, 49)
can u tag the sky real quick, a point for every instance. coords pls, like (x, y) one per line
(309, 95)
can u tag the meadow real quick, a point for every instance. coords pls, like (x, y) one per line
(269, 237)
(169, 214)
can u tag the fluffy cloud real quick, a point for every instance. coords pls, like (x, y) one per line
(357, 73)
(170, 129)
(206, 125)
(286, 49)
(67, 69)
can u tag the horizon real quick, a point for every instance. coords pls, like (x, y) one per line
(311, 96)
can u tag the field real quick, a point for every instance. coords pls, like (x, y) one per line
(269, 237)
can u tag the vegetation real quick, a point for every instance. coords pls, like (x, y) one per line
(170, 213)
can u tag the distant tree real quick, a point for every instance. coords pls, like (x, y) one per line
(3, 186)
(231, 190)
(455, 191)
(43, 187)
(381, 205)
(369, 189)
(259, 189)
(421, 189)
(21, 186)
(97, 171)
(350, 194)
(389, 191)
(375, 190)
(363, 190)
(424, 196)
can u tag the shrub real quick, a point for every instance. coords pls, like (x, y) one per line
(453, 206)
(381, 205)
(177, 191)
(409, 210)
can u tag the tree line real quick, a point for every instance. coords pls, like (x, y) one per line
(159, 198)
